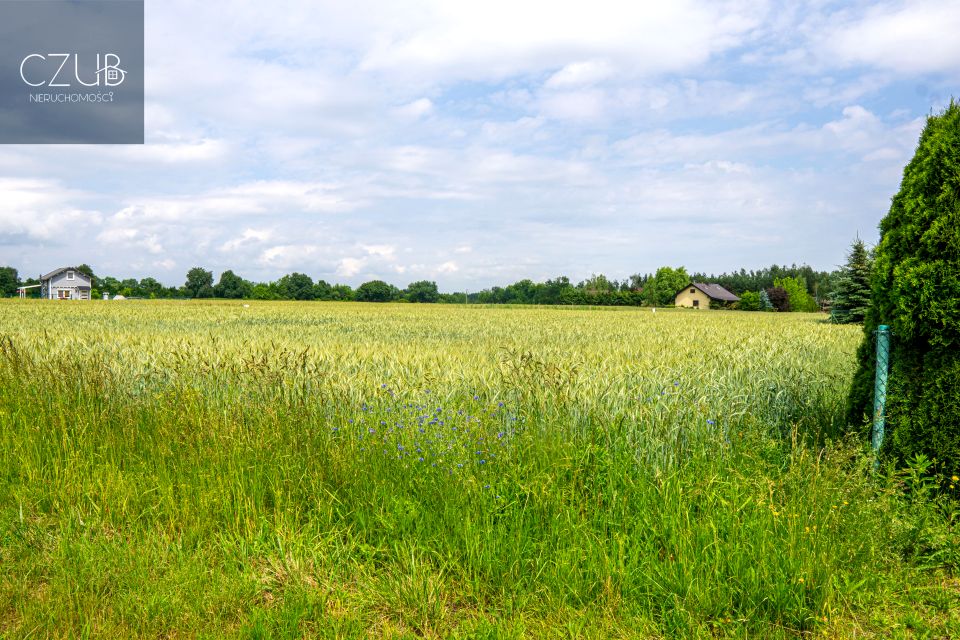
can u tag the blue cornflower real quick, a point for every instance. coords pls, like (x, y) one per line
(710, 421)
(482, 461)
(420, 458)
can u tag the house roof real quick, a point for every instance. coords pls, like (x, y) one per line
(61, 270)
(713, 291)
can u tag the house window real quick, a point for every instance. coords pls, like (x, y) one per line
(63, 294)
(693, 290)
(696, 303)
(69, 275)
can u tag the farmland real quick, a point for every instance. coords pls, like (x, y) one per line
(218, 469)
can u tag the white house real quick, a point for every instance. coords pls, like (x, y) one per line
(66, 283)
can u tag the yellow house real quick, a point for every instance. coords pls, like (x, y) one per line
(699, 295)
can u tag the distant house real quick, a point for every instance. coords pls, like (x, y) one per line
(700, 295)
(66, 283)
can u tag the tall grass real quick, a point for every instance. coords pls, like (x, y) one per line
(289, 470)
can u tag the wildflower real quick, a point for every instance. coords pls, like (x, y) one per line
(420, 458)
(800, 580)
(710, 421)
(955, 478)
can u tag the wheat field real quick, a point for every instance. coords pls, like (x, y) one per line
(273, 470)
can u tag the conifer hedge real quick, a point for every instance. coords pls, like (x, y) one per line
(916, 291)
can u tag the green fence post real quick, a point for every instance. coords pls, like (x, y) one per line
(880, 385)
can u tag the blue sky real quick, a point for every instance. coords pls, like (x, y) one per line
(479, 143)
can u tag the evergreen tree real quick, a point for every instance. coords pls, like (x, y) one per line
(916, 291)
(852, 296)
(765, 304)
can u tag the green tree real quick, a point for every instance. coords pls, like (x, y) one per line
(150, 288)
(232, 286)
(797, 297)
(199, 283)
(9, 281)
(916, 291)
(422, 291)
(322, 290)
(110, 285)
(296, 286)
(342, 292)
(851, 298)
(264, 291)
(662, 288)
(376, 291)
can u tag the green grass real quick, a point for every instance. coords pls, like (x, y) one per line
(210, 470)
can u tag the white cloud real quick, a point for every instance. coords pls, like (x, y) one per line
(42, 209)
(349, 267)
(416, 109)
(288, 256)
(380, 250)
(578, 74)
(251, 198)
(908, 37)
(247, 238)
(501, 38)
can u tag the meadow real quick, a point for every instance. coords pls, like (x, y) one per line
(337, 470)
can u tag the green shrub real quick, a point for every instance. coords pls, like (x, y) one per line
(749, 301)
(916, 291)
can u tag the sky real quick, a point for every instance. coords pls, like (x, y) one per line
(478, 143)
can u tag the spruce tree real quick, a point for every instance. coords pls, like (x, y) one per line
(765, 304)
(851, 298)
(916, 291)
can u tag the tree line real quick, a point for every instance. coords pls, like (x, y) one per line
(778, 287)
